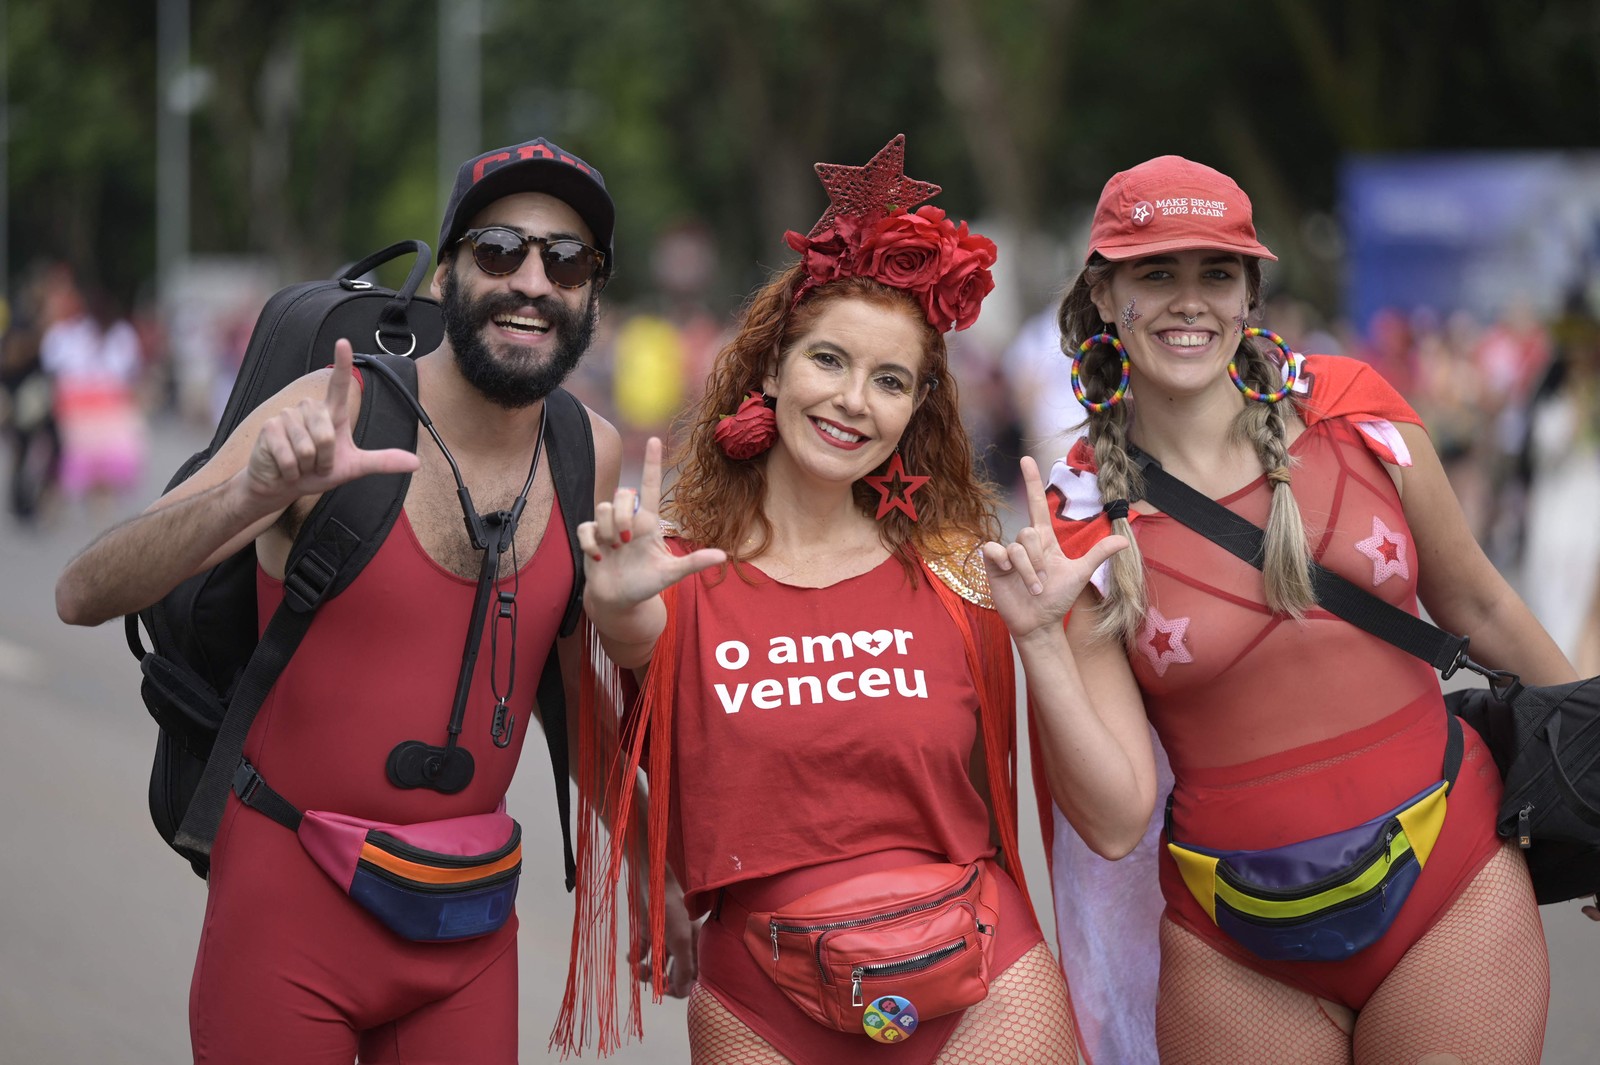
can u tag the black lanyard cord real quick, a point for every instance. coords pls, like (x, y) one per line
(450, 768)
(504, 524)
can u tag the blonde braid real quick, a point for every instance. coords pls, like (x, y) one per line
(1287, 561)
(1122, 608)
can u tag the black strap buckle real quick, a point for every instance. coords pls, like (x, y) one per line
(245, 781)
(1461, 659)
(306, 584)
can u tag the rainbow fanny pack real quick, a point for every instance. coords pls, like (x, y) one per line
(432, 882)
(1326, 898)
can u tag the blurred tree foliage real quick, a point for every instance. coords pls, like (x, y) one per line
(316, 139)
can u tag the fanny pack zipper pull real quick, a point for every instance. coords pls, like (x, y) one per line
(855, 987)
(774, 925)
(1524, 836)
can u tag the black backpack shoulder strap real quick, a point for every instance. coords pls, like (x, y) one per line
(569, 441)
(339, 537)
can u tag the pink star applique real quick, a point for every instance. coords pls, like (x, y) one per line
(1162, 641)
(1387, 550)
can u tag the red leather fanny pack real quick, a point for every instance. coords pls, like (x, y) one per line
(922, 932)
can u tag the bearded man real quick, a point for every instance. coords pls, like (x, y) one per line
(290, 967)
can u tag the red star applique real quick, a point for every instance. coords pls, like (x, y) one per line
(1162, 641)
(896, 487)
(1387, 550)
(869, 192)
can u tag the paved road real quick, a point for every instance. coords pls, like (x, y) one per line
(100, 921)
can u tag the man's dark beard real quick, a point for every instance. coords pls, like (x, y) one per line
(516, 379)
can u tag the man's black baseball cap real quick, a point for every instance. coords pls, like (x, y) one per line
(533, 166)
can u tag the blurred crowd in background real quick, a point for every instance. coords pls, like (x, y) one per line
(1434, 200)
(1512, 401)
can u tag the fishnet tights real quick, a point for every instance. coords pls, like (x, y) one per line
(1474, 990)
(1025, 1021)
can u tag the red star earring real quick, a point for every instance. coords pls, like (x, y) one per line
(896, 487)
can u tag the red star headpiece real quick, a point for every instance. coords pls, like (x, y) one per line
(875, 227)
(868, 193)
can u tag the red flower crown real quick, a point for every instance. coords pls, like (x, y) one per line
(869, 230)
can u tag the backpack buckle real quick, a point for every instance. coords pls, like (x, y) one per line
(306, 584)
(245, 781)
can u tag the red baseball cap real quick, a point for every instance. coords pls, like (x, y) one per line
(1172, 204)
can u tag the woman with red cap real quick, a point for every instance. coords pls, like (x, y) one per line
(827, 713)
(1330, 896)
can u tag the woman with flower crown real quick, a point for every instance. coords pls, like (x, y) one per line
(827, 707)
(1334, 887)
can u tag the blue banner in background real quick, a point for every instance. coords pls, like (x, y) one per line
(1452, 231)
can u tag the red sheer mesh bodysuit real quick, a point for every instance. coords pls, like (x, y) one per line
(1280, 730)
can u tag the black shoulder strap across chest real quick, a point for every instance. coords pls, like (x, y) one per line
(1246, 540)
(569, 440)
(339, 537)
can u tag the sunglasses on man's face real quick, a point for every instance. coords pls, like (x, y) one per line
(499, 251)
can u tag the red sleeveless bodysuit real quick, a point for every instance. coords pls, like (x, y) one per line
(378, 666)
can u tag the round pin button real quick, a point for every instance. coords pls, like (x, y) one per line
(890, 1019)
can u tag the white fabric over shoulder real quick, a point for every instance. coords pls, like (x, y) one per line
(1079, 486)
(1108, 925)
(1385, 441)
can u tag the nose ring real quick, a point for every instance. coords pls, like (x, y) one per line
(1190, 319)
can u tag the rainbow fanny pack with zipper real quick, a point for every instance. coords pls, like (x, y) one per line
(431, 882)
(1320, 899)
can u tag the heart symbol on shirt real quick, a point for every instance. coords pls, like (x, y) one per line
(874, 643)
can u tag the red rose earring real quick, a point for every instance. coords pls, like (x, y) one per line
(750, 430)
(896, 486)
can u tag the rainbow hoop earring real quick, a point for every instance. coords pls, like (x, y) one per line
(1077, 383)
(1291, 369)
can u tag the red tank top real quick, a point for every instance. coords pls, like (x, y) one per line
(1225, 681)
(814, 724)
(379, 666)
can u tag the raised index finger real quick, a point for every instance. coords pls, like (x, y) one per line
(1038, 506)
(650, 480)
(339, 382)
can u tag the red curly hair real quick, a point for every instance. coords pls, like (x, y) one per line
(716, 500)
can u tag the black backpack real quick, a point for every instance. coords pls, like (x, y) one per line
(207, 673)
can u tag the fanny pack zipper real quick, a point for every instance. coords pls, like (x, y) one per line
(1380, 888)
(1378, 849)
(441, 889)
(385, 842)
(828, 926)
(895, 968)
